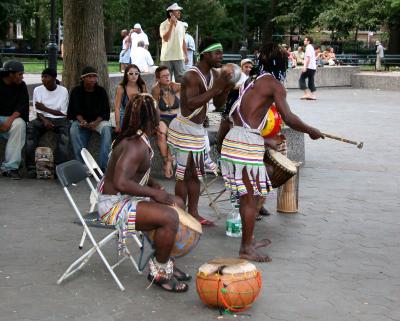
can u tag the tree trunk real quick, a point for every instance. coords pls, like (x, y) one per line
(394, 38)
(84, 41)
(269, 25)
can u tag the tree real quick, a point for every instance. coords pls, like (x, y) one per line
(84, 40)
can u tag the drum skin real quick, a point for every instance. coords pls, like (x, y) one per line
(281, 172)
(187, 236)
(235, 292)
(274, 122)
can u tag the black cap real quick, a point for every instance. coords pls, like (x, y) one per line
(88, 71)
(50, 71)
(13, 66)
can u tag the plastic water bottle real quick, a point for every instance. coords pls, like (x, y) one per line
(234, 223)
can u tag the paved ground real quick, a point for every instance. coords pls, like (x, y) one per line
(337, 259)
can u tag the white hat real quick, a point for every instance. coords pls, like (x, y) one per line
(377, 42)
(174, 6)
(246, 61)
(137, 26)
(185, 24)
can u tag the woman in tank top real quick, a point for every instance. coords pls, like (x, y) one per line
(131, 85)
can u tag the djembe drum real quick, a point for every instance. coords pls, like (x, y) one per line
(231, 284)
(187, 236)
(283, 167)
(44, 161)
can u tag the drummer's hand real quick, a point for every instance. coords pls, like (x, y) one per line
(164, 198)
(314, 133)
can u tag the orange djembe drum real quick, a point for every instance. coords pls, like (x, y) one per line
(231, 284)
(187, 236)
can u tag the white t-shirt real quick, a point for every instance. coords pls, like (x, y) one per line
(310, 52)
(136, 37)
(56, 100)
(172, 49)
(141, 57)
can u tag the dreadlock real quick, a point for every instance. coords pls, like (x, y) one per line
(140, 116)
(273, 59)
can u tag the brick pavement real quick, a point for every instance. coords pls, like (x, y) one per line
(337, 259)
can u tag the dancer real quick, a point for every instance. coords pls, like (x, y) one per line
(186, 135)
(131, 200)
(243, 148)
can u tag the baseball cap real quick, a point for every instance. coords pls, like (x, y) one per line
(137, 26)
(174, 6)
(88, 71)
(246, 61)
(13, 66)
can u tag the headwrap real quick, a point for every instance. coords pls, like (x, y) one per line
(213, 47)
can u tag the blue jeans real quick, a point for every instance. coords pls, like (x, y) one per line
(15, 142)
(80, 139)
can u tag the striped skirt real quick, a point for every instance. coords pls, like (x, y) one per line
(244, 150)
(119, 211)
(185, 136)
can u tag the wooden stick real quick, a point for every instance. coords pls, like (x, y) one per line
(345, 140)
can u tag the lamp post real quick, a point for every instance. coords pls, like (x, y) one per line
(243, 49)
(52, 46)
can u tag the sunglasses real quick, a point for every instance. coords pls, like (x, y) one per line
(134, 73)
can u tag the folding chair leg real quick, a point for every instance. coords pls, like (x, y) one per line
(82, 240)
(86, 257)
(212, 203)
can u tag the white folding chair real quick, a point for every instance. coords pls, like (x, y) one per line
(70, 174)
(98, 174)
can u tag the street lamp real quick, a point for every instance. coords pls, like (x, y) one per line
(52, 46)
(243, 49)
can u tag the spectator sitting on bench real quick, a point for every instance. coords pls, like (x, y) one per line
(89, 109)
(14, 112)
(299, 55)
(50, 102)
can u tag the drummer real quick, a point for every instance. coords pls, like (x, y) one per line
(243, 148)
(131, 199)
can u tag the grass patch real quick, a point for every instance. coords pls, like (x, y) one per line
(36, 66)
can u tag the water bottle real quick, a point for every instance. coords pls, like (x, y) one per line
(234, 222)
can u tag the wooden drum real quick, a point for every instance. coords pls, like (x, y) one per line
(288, 194)
(232, 284)
(283, 167)
(188, 235)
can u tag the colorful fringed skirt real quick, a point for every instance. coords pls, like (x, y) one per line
(243, 149)
(185, 136)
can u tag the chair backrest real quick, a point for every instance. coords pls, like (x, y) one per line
(91, 164)
(71, 172)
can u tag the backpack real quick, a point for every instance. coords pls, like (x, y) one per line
(44, 163)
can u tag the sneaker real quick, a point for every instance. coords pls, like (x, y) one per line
(32, 174)
(13, 174)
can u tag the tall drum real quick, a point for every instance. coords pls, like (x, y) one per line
(288, 194)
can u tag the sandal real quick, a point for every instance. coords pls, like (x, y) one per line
(180, 275)
(169, 285)
(203, 221)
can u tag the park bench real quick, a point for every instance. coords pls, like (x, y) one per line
(391, 60)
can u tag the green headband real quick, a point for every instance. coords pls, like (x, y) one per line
(213, 47)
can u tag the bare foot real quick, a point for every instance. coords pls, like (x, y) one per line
(262, 243)
(251, 254)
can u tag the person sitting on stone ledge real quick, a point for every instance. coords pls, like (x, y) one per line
(167, 95)
(89, 109)
(14, 112)
(50, 102)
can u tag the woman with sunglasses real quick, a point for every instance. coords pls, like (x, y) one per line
(131, 85)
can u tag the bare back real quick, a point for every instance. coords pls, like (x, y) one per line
(257, 99)
(130, 159)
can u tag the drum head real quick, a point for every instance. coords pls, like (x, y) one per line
(188, 220)
(282, 160)
(227, 266)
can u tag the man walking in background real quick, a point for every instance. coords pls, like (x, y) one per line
(173, 49)
(379, 55)
(308, 71)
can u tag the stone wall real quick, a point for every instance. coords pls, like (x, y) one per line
(376, 80)
(334, 76)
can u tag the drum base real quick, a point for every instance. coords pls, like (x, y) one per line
(288, 195)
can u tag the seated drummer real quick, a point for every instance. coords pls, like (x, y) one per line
(167, 95)
(131, 200)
